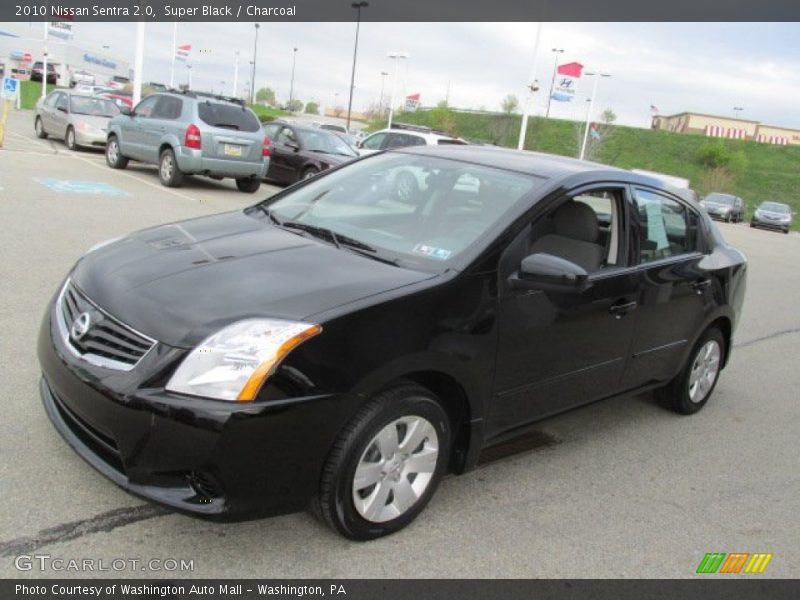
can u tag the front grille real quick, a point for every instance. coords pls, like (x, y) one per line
(103, 339)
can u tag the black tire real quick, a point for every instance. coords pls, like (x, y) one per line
(249, 185)
(335, 503)
(38, 127)
(406, 188)
(69, 139)
(728, 218)
(786, 231)
(114, 158)
(169, 173)
(677, 394)
(309, 173)
(752, 224)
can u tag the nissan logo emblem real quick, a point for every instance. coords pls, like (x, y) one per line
(80, 326)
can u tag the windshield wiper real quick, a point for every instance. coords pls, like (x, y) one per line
(339, 240)
(271, 215)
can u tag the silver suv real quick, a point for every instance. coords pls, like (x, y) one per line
(191, 134)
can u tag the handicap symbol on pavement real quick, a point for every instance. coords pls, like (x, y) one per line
(70, 186)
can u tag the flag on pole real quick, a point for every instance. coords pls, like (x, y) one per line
(412, 103)
(654, 109)
(182, 52)
(567, 77)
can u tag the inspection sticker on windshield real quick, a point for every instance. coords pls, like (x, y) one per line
(432, 252)
(71, 186)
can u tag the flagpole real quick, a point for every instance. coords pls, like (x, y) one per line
(138, 63)
(44, 62)
(174, 50)
(597, 77)
(526, 111)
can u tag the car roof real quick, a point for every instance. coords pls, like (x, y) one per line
(428, 135)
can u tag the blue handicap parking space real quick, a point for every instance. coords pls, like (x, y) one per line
(71, 186)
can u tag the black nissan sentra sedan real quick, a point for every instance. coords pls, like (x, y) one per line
(335, 347)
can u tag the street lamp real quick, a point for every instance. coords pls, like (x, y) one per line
(380, 102)
(394, 56)
(737, 110)
(189, 77)
(253, 78)
(556, 52)
(358, 6)
(291, 85)
(597, 77)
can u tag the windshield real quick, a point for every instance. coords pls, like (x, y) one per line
(418, 209)
(774, 207)
(322, 141)
(719, 199)
(95, 107)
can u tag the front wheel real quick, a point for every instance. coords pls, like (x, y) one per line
(69, 139)
(169, 172)
(692, 387)
(386, 464)
(114, 158)
(38, 127)
(249, 185)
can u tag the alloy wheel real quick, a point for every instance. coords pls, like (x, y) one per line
(704, 370)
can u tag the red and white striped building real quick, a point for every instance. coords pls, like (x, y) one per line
(728, 128)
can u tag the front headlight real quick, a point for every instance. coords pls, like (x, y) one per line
(235, 362)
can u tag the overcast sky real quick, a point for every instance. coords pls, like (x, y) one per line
(704, 67)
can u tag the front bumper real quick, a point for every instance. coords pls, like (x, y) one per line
(95, 137)
(203, 457)
(778, 225)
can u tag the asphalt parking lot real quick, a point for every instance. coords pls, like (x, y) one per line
(624, 489)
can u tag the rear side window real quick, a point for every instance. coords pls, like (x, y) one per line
(168, 107)
(227, 116)
(668, 228)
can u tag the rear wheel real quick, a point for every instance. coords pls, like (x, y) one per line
(692, 387)
(169, 172)
(38, 127)
(114, 158)
(386, 464)
(309, 173)
(406, 187)
(69, 139)
(249, 185)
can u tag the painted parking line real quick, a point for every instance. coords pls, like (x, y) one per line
(71, 186)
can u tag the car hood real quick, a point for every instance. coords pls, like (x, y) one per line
(179, 283)
(92, 120)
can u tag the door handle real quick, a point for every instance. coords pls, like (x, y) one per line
(700, 285)
(620, 309)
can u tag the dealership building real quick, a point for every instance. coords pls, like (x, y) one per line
(727, 127)
(19, 52)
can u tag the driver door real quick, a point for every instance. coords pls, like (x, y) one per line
(559, 349)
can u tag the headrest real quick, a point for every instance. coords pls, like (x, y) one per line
(577, 221)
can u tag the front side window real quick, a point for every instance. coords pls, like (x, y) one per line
(93, 106)
(668, 228)
(52, 99)
(287, 137)
(168, 107)
(456, 204)
(61, 102)
(374, 142)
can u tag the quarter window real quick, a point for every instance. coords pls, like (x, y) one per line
(668, 228)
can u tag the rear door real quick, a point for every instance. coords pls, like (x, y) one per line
(675, 291)
(229, 131)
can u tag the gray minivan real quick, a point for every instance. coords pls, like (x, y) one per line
(191, 133)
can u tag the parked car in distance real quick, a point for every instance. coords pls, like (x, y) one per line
(118, 97)
(331, 346)
(408, 135)
(36, 72)
(773, 215)
(81, 77)
(333, 127)
(156, 87)
(724, 207)
(118, 82)
(78, 119)
(191, 134)
(298, 152)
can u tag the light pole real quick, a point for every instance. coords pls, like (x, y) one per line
(291, 85)
(394, 56)
(380, 102)
(358, 6)
(523, 128)
(235, 74)
(737, 110)
(597, 77)
(253, 78)
(556, 52)
(189, 77)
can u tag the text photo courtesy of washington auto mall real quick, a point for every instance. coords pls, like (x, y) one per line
(353, 291)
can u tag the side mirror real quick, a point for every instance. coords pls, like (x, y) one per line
(125, 110)
(293, 145)
(62, 108)
(550, 273)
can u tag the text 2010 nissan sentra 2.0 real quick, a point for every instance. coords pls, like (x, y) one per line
(339, 347)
